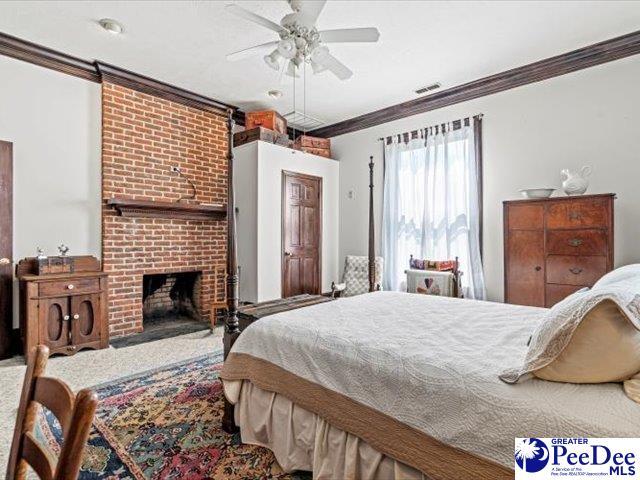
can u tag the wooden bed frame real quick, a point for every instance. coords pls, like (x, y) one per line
(232, 325)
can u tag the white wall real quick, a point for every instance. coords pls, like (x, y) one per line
(590, 117)
(266, 239)
(54, 123)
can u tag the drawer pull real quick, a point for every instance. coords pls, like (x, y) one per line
(574, 215)
(575, 271)
(70, 286)
(575, 242)
(76, 316)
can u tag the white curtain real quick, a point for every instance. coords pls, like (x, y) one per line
(431, 206)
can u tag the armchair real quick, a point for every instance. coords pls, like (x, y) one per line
(355, 280)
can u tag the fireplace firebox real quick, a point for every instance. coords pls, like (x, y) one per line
(170, 298)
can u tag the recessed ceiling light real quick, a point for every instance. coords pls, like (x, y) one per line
(274, 94)
(111, 26)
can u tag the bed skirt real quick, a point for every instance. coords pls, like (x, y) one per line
(301, 440)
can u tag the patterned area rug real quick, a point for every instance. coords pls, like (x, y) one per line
(166, 424)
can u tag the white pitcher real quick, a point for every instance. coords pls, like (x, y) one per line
(576, 183)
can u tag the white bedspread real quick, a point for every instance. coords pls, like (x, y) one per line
(433, 363)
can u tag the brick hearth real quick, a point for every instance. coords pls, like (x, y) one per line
(142, 138)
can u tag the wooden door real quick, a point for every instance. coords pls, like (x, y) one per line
(301, 233)
(85, 319)
(6, 248)
(54, 322)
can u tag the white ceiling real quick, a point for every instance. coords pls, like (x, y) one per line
(185, 42)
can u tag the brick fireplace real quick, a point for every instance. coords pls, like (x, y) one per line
(143, 137)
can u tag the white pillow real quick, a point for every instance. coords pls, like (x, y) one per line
(590, 337)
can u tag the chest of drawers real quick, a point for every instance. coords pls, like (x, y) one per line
(556, 246)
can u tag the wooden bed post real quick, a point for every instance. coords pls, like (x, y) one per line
(372, 240)
(231, 325)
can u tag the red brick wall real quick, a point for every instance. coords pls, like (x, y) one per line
(142, 137)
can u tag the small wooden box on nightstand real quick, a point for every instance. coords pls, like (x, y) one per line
(64, 311)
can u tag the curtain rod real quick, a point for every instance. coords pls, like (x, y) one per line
(478, 116)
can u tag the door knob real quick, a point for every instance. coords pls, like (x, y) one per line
(4, 261)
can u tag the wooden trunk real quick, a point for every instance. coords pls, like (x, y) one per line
(259, 133)
(313, 142)
(321, 152)
(65, 311)
(556, 246)
(269, 119)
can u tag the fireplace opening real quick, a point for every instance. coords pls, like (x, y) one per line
(170, 299)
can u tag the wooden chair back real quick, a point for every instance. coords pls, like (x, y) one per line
(74, 412)
(219, 292)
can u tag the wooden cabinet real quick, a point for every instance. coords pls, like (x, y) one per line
(67, 312)
(554, 247)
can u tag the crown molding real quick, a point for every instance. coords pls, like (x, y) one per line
(141, 83)
(46, 57)
(99, 71)
(596, 54)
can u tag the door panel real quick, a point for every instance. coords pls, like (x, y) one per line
(85, 318)
(54, 322)
(525, 274)
(301, 233)
(6, 247)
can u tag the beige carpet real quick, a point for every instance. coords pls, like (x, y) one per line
(89, 367)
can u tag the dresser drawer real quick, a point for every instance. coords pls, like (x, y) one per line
(574, 270)
(578, 213)
(577, 242)
(556, 293)
(66, 287)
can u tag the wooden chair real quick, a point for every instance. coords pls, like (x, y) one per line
(219, 294)
(74, 412)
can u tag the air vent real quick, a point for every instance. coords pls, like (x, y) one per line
(428, 88)
(300, 121)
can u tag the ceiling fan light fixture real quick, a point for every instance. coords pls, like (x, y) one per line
(287, 48)
(319, 54)
(273, 59)
(291, 70)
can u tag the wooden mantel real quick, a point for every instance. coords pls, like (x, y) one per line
(159, 209)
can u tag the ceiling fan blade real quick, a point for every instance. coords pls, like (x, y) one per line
(251, 51)
(338, 68)
(369, 34)
(310, 11)
(252, 17)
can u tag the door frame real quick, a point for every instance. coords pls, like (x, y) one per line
(6, 311)
(290, 173)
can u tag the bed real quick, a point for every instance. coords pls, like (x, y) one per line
(391, 385)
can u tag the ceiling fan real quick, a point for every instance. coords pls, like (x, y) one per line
(300, 40)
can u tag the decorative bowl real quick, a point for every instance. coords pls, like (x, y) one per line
(537, 192)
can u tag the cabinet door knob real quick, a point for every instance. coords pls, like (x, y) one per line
(575, 270)
(66, 317)
(575, 242)
(5, 261)
(538, 268)
(287, 254)
(76, 316)
(70, 286)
